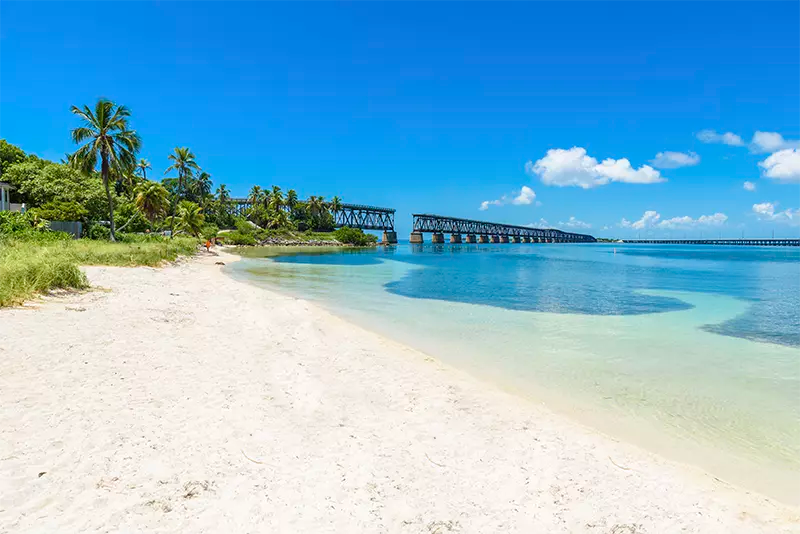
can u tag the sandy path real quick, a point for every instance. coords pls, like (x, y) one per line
(181, 400)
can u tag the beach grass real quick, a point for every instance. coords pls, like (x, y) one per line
(28, 268)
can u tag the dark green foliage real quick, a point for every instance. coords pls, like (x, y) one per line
(354, 236)
(61, 210)
(9, 155)
(238, 238)
(40, 181)
(27, 227)
(97, 231)
(130, 218)
(209, 231)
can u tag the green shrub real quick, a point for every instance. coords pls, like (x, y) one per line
(97, 231)
(27, 227)
(354, 236)
(209, 231)
(238, 238)
(61, 210)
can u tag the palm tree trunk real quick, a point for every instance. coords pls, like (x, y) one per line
(104, 172)
(175, 207)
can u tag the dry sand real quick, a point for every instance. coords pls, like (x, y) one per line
(181, 400)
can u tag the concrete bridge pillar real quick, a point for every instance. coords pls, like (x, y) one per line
(523, 239)
(389, 238)
(470, 238)
(483, 239)
(416, 237)
(455, 238)
(504, 239)
(437, 237)
(516, 239)
(494, 239)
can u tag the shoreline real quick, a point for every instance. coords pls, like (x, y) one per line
(216, 404)
(748, 470)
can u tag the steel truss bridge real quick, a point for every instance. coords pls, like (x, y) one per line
(352, 215)
(488, 231)
(365, 217)
(741, 242)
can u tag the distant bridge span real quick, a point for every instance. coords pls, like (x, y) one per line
(739, 242)
(351, 215)
(487, 232)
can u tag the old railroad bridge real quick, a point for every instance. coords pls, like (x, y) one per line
(487, 232)
(382, 219)
(750, 242)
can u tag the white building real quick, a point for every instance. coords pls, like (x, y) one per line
(5, 196)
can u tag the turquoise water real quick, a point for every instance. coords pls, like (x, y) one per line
(693, 352)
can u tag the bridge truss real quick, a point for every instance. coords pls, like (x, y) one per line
(365, 217)
(438, 224)
(352, 215)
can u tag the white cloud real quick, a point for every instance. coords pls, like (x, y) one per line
(727, 138)
(765, 211)
(574, 223)
(783, 166)
(673, 160)
(523, 197)
(541, 223)
(771, 142)
(718, 219)
(652, 219)
(649, 218)
(574, 167)
(749, 186)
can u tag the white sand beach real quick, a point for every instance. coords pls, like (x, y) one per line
(181, 400)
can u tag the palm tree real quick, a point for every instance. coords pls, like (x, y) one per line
(152, 199)
(127, 177)
(183, 161)
(335, 205)
(316, 205)
(223, 195)
(202, 186)
(291, 199)
(190, 218)
(255, 194)
(276, 198)
(279, 219)
(142, 165)
(110, 138)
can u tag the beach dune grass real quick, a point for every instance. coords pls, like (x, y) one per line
(28, 268)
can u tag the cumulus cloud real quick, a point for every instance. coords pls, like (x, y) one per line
(652, 219)
(749, 186)
(771, 142)
(766, 211)
(574, 223)
(574, 167)
(673, 160)
(727, 138)
(523, 197)
(782, 166)
(541, 223)
(717, 219)
(649, 218)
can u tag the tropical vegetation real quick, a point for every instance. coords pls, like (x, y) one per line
(108, 186)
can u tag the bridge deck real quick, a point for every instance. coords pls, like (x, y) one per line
(742, 242)
(438, 224)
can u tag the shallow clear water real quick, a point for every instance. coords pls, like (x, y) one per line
(692, 351)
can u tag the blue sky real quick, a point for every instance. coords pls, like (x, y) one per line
(545, 111)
